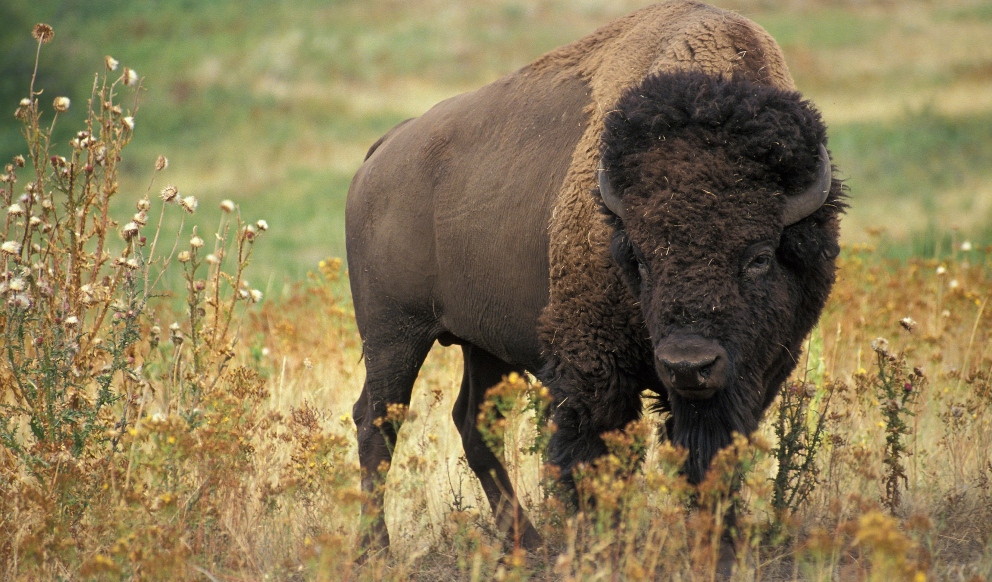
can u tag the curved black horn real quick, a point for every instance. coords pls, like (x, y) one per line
(807, 202)
(610, 198)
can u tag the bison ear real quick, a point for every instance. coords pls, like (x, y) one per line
(809, 201)
(609, 195)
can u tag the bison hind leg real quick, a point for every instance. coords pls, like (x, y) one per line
(392, 362)
(483, 371)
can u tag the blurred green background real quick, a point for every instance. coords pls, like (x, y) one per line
(273, 104)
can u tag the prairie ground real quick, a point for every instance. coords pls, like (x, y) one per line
(248, 470)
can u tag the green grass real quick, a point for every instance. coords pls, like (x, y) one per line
(914, 157)
(822, 29)
(273, 104)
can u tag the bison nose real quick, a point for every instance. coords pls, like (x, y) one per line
(693, 366)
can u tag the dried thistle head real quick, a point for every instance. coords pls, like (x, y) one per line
(111, 63)
(169, 193)
(43, 33)
(161, 163)
(130, 77)
(130, 231)
(189, 204)
(61, 104)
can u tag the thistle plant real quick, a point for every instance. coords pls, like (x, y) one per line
(86, 383)
(897, 392)
(799, 428)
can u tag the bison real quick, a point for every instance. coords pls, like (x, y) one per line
(648, 208)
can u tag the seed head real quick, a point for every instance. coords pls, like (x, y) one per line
(15, 209)
(161, 163)
(880, 345)
(111, 63)
(941, 270)
(183, 257)
(17, 284)
(227, 206)
(132, 263)
(129, 122)
(262, 225)
(908, 323)
(169, 193)
(966, 246)
(43, 33)
(196, 242)
(71, 320)
(144, 204)
(35, 221)
(256, 295)
(130, 77)
(212, 259)
(953, 284)
(130, 231)
(19, 160)
(189, 204)
(20, 301)
(61, 104)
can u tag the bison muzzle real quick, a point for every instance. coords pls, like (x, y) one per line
(649, 208)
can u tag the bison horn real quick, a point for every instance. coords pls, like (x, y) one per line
(610, 198)
(802, 205)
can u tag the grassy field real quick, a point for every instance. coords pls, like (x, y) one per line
(204, 467)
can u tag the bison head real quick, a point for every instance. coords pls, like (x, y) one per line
(726, 227)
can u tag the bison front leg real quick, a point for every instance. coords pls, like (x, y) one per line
(582, 411)
(483, 371)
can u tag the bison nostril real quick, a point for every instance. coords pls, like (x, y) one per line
(693, 366)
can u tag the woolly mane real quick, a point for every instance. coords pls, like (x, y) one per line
(773, 129)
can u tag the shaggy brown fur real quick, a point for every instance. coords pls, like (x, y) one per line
(701, 162)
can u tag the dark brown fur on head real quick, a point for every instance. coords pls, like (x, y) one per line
(702, 165)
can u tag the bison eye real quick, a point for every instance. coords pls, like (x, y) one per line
(758, 260)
